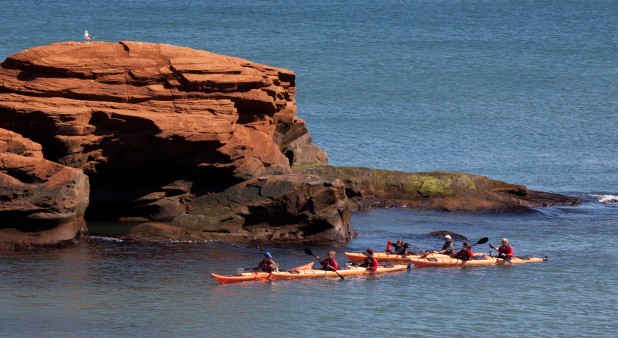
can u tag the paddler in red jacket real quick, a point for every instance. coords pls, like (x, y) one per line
(267, 264)
(329, 263)
(370, 262)
(505, 250)
(465, 253)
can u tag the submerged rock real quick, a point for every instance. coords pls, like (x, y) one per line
(442, 233)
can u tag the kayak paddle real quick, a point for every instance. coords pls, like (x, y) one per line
(310, 253)
(481, 241)
(508, 260)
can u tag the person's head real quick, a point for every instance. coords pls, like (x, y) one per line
(331, 254)
(268, 255)
(466, 244)
(399, 242)
(447, 238)
(369, 252)
(505, 241)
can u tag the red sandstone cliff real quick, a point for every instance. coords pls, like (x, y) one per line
(41, 203)
(154, 126)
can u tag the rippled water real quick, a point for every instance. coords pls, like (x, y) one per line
(108, 288)
(522, 91)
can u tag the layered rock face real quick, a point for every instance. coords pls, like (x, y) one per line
(154, 126)
(268, 208)
(41, 203)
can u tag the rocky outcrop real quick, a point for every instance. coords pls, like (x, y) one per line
(201, 145)
(42, 203)
(141, 117)
(268, 208)
(448, 191)
(156, 127)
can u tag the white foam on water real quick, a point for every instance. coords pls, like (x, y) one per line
(607, 198)
(105, 239)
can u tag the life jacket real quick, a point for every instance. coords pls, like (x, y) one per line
(464, 254)
(506, 250)
(329, 264)
(265, 264)
(370, 263)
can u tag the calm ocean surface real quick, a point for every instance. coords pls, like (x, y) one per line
(521, 91)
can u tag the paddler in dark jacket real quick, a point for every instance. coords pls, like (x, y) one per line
(447, 248)
(401, 248)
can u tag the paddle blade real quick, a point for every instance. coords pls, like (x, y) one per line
(482, 240)
(309, 252)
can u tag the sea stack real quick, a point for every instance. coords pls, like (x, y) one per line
(159, 129)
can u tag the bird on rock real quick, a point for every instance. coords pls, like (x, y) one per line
(87, 36)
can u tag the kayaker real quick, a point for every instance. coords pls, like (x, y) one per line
(447, 248)
(505, 250)
(267, 264)
(465, 253)
(329, 263)
(401, 248)
(370, 262)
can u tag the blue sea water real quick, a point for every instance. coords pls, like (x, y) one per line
(521, 91)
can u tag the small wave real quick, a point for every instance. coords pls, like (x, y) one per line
(607, 198)
(105, 239)
(189, 241)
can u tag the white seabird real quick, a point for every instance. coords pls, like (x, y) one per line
(87, 36)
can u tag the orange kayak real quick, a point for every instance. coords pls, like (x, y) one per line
(359, 257)
(439, 261)
(254, 275)
(348, 271)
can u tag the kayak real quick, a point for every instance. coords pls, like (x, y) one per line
(254, 275)
(359, 257)
(348, 271)
(476, 261)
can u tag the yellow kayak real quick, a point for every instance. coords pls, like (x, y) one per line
(359, 257)
(475, 261)
(348, 271)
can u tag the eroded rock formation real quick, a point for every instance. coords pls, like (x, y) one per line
(41, 203)
(201, 145)
(138, 117)
(268, 208)
(439, 190)
(156, 126)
